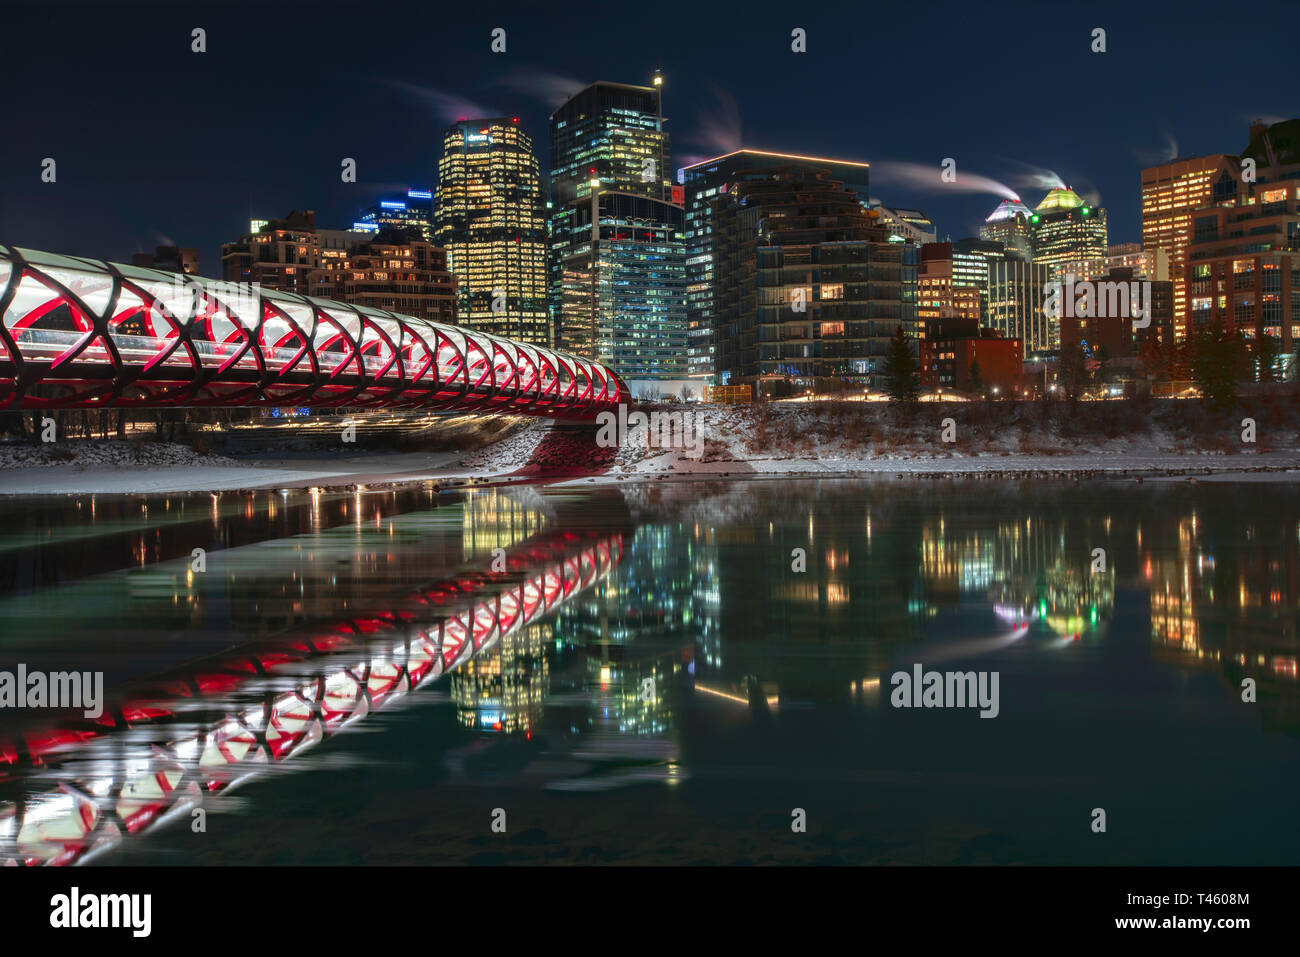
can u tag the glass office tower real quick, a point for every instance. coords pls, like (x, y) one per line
(617, 255)
(491, 221)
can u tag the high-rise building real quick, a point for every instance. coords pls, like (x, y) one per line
(1009, 225)
(808, 290)
(704, 182)
(609, 136)
(411, 211)
(1170, 192)
(1017, 293)
(616, 233)
(491, 220)
(1064, 229)
(1243, 260)
(623, 282)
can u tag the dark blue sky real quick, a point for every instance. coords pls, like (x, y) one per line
(157, 144)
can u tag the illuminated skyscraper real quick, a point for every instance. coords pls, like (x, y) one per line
(623, 285)
(1065, 229)
(491, 221)
(1169, 194)
(609, 137)
(1016, 297)
(1009, 225)
(617, 257)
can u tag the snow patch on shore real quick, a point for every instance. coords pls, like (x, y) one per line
(106, 453)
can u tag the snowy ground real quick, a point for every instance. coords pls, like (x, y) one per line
(738, 442)
(112, 466)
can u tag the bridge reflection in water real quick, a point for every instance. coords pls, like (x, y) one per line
(157, 755)
(82, 333)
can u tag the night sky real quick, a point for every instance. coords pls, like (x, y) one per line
(156, 144)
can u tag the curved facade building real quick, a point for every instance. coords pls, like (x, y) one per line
(1009, 225)
(81, 333)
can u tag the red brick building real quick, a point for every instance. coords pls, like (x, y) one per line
(957, 354)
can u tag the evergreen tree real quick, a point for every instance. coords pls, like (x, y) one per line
(1217, 365)
(902, 381)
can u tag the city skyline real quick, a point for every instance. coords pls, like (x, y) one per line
(714, 100)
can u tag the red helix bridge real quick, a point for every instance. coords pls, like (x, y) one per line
(81, 333)
(75, 788)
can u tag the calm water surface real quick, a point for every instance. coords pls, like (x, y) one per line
(640, 675)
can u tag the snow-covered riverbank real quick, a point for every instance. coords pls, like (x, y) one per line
(107, 468)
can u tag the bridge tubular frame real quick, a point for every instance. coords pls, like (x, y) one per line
(80, 333)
